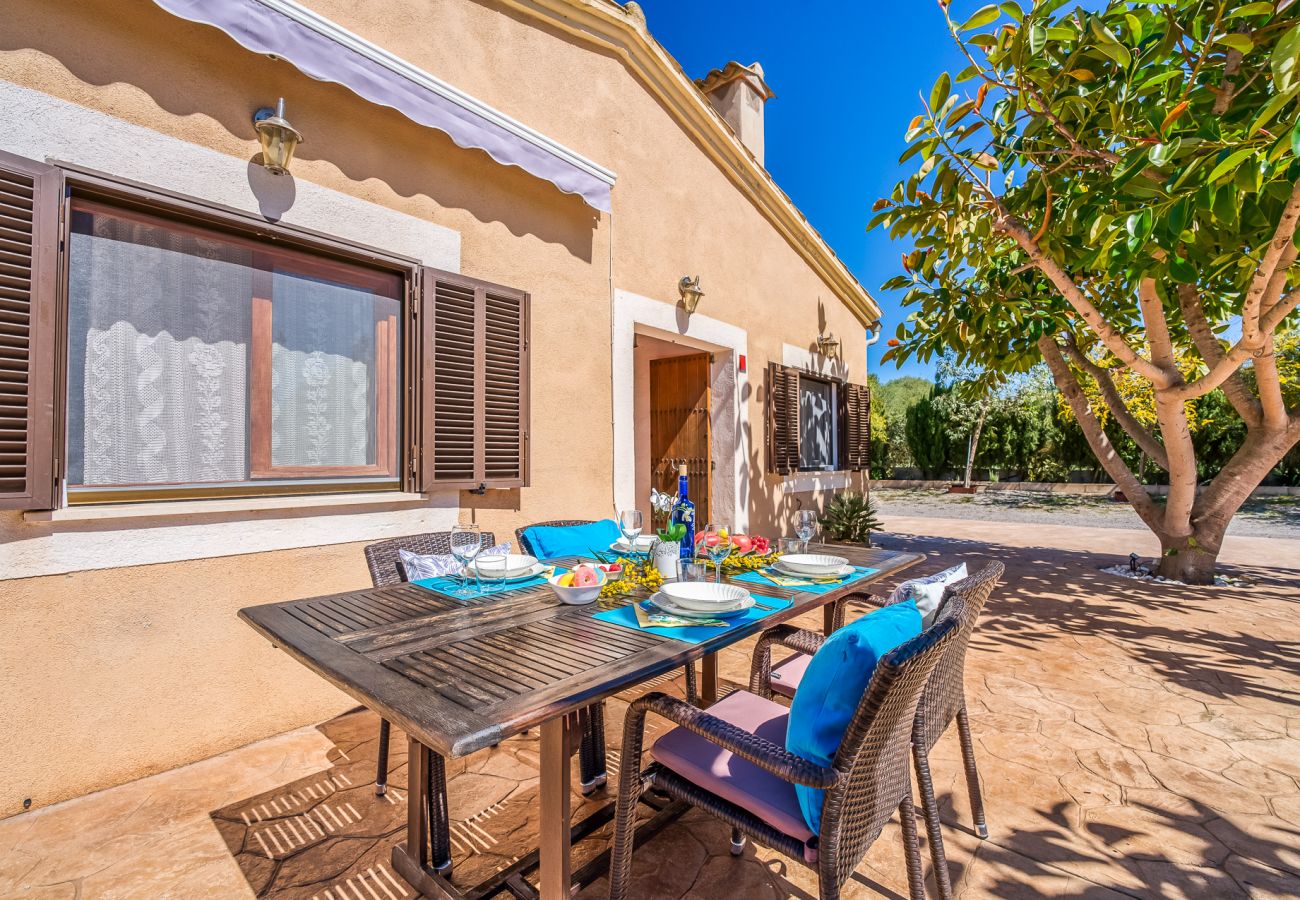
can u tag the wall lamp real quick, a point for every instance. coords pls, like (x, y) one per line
(279, 139)
(828, 345)
(689, 288)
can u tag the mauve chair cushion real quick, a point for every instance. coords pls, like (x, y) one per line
(730, 777)
(787, 674)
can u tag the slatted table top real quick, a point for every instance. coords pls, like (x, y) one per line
(460, 675)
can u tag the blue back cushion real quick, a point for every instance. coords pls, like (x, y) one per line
(550, 541)
(833, 685)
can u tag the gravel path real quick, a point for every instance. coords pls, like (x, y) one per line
(1262, 517)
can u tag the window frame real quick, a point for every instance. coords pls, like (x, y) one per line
(90, 188)
(784, 443)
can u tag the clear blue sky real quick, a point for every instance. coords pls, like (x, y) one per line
(847, 76)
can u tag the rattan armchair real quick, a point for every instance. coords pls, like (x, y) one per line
(692, 688)
(867, 780)
(942, 701)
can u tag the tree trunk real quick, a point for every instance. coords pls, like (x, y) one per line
(1191, 560)
(973, 445)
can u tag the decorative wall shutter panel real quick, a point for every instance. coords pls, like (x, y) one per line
(855, 427)
(473, 382)
(782, 419)
(31, 195)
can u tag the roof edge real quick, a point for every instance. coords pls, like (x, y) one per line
(623, 31)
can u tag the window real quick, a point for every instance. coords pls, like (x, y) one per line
(208, 353)
(196, 358)
(816, 424)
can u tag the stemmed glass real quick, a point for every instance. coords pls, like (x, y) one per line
(466, 541)
(629, 522)
(717, 546)
(805, 525)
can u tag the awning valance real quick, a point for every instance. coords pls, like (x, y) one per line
(325, 51)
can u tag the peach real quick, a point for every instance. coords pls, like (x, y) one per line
(585, 576)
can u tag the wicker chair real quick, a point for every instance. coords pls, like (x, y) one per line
(867, 780)
(943, 700)
(692, 687)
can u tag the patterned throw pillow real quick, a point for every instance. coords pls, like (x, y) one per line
(927, 591)
(437, 565)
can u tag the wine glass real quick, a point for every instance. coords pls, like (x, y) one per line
(717, 546)
(629, 522)
(805, 525)
(466, 541)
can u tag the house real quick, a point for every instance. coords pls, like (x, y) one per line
(466, 299)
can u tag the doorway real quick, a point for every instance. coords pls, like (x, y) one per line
(681, 428)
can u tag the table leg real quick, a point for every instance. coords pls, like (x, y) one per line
(709, 681)
(554, 841)
(417, 802)
(828, 619)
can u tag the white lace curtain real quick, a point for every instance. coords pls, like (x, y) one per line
(159, 358)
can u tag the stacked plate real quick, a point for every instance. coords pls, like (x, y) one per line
(702, 599)
(813, 565)
(513, 567)
(641, 545)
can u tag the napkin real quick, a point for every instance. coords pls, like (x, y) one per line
(797, 581)
(647, 619)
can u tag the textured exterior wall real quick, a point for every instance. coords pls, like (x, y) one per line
(122, 672)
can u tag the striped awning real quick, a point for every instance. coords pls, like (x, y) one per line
(323, 50)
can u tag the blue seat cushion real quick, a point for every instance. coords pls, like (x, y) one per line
(832, 686)
(551, 541)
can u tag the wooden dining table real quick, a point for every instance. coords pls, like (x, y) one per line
(462, 675)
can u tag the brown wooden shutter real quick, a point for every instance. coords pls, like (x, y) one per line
(30, 197)
(855, 427)
(474, 383)
(782, 419)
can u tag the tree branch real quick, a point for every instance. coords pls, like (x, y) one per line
(1279, 253)
(1159, 344)
(1114, 341)
(1118, 408)
(1096, 435)
(1207, 344)
(1270, 387)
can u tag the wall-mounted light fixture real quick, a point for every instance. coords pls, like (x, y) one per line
(828, 345)
(689, 288)
(279, 138)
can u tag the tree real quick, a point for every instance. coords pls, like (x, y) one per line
(928, 435)
(1119, 191)
(895, 397)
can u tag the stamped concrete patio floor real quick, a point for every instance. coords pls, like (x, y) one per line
(1134, 740)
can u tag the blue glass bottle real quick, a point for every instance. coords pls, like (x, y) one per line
(684, 513)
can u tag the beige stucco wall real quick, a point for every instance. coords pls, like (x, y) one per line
(113, 674)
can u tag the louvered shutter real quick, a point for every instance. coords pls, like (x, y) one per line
(855, 427)
(473, 382)
(30, 196)
(783, 419)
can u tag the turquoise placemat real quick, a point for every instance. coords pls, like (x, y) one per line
(859, 572)
(626, 617)
(448, 586)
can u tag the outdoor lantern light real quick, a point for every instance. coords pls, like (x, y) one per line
(828, 345)
(279, 138)
(689, 288)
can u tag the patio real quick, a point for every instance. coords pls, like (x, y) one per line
(1133, 740)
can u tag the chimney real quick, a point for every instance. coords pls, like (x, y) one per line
(738, 93)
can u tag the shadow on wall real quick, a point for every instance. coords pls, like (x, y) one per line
(197, 73)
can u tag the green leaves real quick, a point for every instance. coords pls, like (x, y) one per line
(1162, 154)
(939, 93)
(1251, 9)
(985, 15)
(1108, 44)
(1230, 162)
(1295, 139)
(1285, 59)
(1139, 227)
(1239, 42)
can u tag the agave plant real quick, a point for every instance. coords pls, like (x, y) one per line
(850, 517)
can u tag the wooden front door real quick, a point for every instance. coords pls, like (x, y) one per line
(679, 427)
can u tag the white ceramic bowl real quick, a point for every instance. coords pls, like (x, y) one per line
(642, 545)
(703, 595)
(576, 596)
(813, 563)
(516, 564)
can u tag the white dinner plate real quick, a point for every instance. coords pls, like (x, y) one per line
(537, 569)
(517, 564)
(643, 544)
(667, 605)
(843, 571)
(812, 563)
(705, 596)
